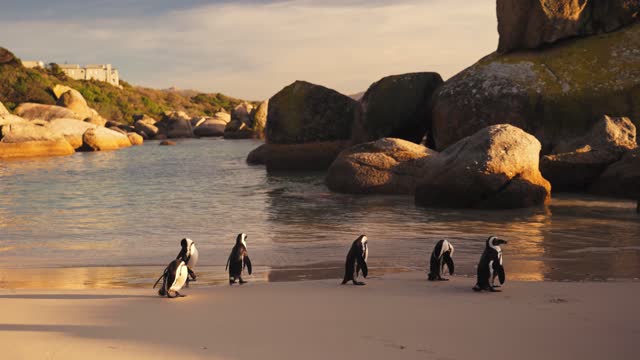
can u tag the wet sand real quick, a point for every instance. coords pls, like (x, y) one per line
(399, 316)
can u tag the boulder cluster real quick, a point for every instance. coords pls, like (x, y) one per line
(61, 129)
(556, 106)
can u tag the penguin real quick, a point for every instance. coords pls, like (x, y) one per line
(490, 266)
(440, 257)
(238, 260)
(356, 261)
(173, 279)
(189, 254)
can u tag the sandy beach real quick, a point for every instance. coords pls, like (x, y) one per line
(399, 316)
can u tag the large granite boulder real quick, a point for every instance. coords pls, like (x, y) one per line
(96, 120)
(60, 89)
(576, 163)
(6, 119)
(258, 156)
(32, 111)
(529, 24)
(242, 113)
(3, 110)
(210, 127)
(398, 107)
(26, 139)
(175, 124)
(497, 167)
(135, 139)
(145, 127)
(75, 102)
(236, 129)
(385, 166)
(553, 93)
(103, 139)
(303, 112)
(620, 179)
(70, 129)
(259, 116)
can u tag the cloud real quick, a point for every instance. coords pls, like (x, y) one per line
(253, 49)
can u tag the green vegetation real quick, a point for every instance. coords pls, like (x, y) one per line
(19, 84)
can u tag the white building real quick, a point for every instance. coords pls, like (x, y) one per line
(33, 64)
(100, 72)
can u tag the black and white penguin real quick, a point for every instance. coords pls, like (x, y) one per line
(440, 257)
(189, 254)
(356, 261)
(173, 279)
(490, 266)
(238, 260)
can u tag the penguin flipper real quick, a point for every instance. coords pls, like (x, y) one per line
(501, 274)
(247, 263)
(449, 261)
(164, 273)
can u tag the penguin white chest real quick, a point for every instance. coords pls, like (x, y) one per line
(181, 277)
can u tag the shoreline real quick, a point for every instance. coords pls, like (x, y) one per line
(399, 316)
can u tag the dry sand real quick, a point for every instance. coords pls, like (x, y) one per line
(399, 316)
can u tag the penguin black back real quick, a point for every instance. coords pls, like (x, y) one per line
(441, 256)
(189, 254)
(490, 266)
(356, 261)
(238, 260)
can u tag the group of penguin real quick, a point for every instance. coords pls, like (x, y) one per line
(180, 271)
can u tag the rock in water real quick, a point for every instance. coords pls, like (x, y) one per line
(397, 106)
(385, 166)
(303, 112)
(103, 139)
(71, 129)
(553, 93)
(495, 168)
(209, 127)
(307, 127)
(259, 116)
(576, 163)
(135, 139)
(258, 156)
(529, 24)
(620, 179)
(25, 139)
(175, 124)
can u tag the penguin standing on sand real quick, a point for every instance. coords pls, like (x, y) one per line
(440, 257)
(173, 279)
(356, 261)
(238, 260)
(490, 266)
(189, 254)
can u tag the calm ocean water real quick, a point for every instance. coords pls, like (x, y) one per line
(115, 219)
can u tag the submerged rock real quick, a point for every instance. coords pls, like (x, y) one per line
(397, 106)
(554, 93)
(310, 156)
(496, 168)
(529, 24)
(167, 143)
(385, 166)
(258, 156)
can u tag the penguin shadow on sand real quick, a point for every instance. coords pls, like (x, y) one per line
(179, 271)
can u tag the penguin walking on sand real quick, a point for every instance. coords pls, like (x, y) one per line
(356, 261)
(490, 266)
(189, 254)
(238, 260)
(440, 257)
(173, 279)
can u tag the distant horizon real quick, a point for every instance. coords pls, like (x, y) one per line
(254, 49)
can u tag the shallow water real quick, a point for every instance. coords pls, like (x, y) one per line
(114, 219)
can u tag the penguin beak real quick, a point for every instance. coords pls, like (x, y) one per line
(500, 241)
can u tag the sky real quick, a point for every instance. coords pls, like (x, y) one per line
(253, 48)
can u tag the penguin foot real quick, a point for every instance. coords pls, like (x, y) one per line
(161, 292)
(359, 283)
(243, 282)
(442, 279)
(431, 277)
(493, 289)
(479, 288)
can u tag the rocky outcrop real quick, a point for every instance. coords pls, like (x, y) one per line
(71, 129)
(6, 119)
(145, 127)
(258, 156)
(60, 89)
(303, 112)
(398, 107)
(25, 139)
(242, 113)
(210, 127)
(621, 179)
(309, 156)
(175, 124)
(7, 58)
(385, 166)
(246, 122)
(74, 101)
(237, 129)
(579, 162)
(554, 93)
(497, 167)
(103, 139)
(529, 24)
(32, 111)
(96, 120)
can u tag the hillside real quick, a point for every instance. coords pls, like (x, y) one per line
(19, 84)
